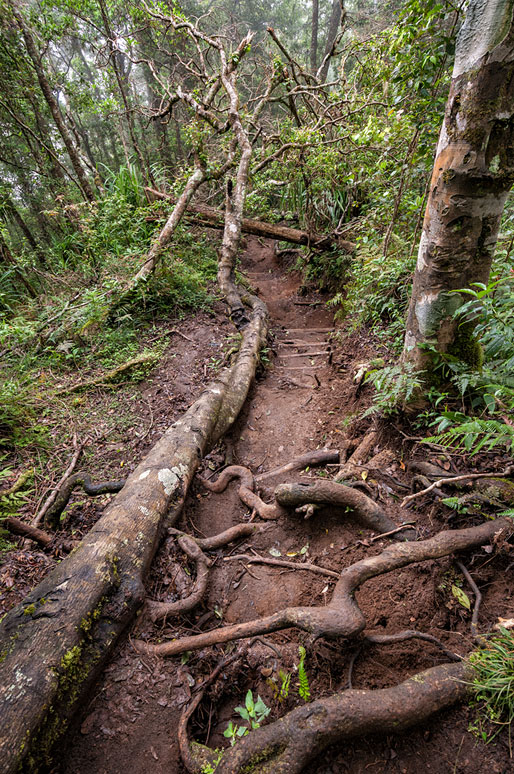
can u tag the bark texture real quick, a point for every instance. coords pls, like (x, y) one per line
(473, 173)
(288, 745)
(53, 644)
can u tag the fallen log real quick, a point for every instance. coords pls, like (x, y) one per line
(53, 645)
(213, 218)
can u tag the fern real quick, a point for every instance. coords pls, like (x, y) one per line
(303, 689)
(473, 435)
(394, 385)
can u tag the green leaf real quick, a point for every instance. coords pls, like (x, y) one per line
(461, 597)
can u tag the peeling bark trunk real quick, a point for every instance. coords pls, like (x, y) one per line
(213, 218)
(473, 173)
(53, 645)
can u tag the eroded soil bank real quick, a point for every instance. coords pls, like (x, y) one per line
(299, 403)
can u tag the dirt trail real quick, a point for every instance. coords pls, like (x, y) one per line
(297, 405)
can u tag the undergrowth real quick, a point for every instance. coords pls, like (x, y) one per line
(47, 339)
(493, 686)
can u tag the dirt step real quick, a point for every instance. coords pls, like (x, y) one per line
(288, 343)
(304, 354)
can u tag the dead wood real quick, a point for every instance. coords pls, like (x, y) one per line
(64, 493)
(54, 644)
(44, 539)
(291, 743)
(213, 218)
(55, 491)
(110, 377)
(249, 559)
(342, 617)
(455, 479)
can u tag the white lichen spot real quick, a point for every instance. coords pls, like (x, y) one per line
(423, 242)
(169, 480)
(144, 510)
(233, 228)
(144, 474)
(410, 341)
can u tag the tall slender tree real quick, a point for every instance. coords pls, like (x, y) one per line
(472, 175)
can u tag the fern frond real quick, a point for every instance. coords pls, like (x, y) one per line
(304, 688)
(476, 435)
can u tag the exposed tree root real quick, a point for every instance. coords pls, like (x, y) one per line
(342, 617)
(63, 494)
(288, 745)
(409, 634)
(246, 493)
(365, 510)
(193, 548)
(359, 456)
(189, 760)
(159, 610)
(310, 459)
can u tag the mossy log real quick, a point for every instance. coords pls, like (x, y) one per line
(53, 645)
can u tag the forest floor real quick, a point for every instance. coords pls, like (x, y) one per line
(300, 401)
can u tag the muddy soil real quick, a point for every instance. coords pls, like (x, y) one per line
(298, 403)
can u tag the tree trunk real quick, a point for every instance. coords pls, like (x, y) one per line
(121, 81)
(314, 36)
(54, 107)
(53, 645)
(333, 27)
(472, 175)
(213, 218)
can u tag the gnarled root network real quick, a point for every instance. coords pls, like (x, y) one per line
(342, 617)
(194, 548)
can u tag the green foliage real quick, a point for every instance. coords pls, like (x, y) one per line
(395, 385)
(457, 431)
(493, 684)
(303, 680)
(254, 713)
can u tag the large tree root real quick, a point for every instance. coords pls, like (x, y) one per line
(309, 459)
(288, 745)
(364, 509)
(53, 513)
(245, 491)
(193, 548)
(306, 497)
(342, 617)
